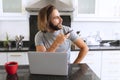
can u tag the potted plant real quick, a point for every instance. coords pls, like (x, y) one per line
(7, 43)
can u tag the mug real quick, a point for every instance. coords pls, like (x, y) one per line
(11, 67)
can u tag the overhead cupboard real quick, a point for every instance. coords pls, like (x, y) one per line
(13, 10)
(96, 10)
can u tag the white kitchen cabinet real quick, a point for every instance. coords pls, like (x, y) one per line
(84, 9)
(96, 10)
(20, 57)
(110, 65)
(13, 10)
(93, 59)
(73, 56)
(3, 58)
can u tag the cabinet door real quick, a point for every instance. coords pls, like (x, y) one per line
(3, 58)
(93, 59)
(13, 10)
(20, 57)
(96, 10)
(84, 9)
(73, 56)
(110, 65)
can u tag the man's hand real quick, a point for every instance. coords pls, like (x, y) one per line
(61, 38)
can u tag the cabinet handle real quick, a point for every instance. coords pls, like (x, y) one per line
(90, 54)
(15, 55)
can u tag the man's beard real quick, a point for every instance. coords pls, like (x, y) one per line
(53, 27)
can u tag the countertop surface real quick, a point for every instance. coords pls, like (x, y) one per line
(114, 45)
(77, 72)
(25, 49)
(104, 47)
(100, 48)
(91, 48)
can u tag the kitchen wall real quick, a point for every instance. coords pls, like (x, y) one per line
(13, 28)
(108, 30)
(18, 27)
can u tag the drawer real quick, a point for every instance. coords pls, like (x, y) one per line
(21, 58)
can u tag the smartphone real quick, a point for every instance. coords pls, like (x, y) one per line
(68, 32)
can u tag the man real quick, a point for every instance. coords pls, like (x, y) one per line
(52, 35)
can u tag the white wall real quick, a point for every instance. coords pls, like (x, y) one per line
(13, 28)
(108, 30)
(18, 27)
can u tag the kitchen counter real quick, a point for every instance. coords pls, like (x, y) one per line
(25, 49)
(104, 47)
(114, 46)
(77, 72)
(13, 48)
(91, 48)
(99, 48)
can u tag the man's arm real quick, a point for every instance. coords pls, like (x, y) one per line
(83, 50)
(59, 40)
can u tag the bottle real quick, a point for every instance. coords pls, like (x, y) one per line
(98, 37)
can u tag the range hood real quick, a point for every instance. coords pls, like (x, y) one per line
(61, 6)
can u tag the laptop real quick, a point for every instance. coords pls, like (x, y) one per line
(48, 63)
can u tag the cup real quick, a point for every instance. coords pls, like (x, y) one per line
(11, 67)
